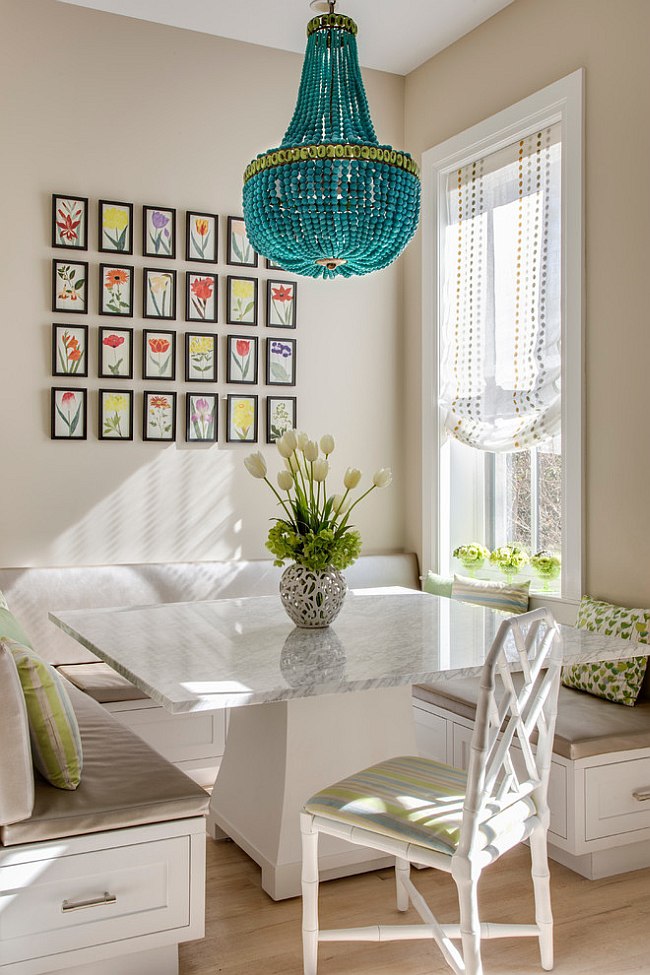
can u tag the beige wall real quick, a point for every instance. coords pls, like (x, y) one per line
(525, 47)
(120, 109)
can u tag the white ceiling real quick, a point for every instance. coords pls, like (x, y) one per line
(393, 36)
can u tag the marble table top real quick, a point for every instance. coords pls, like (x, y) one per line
(230, 652)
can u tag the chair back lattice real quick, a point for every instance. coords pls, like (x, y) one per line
(513, 710)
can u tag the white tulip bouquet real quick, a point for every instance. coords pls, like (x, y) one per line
(314, 529)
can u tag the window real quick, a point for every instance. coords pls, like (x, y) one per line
(502, 335)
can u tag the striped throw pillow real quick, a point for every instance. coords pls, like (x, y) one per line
(508, 597)
(10, 628)
(53, 729)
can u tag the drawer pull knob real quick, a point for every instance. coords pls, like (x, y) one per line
(642, 794)
(105, 898)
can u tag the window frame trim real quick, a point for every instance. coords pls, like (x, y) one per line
(561, 101)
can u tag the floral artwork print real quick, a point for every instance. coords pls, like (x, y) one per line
(242, 301)
(242, 359)
(201, 230)
(69, 286)
(201, 298)
(115, 220)
(69, 350)
(68, 414)
(281, 416)
(200, 352)
(281, 304)
(160, 414)
(159, 294)
(201, 417)
(242, 419)
(159, 232)
(240, 250)
(116, 353)
(69, 222)
(280, 363)
(159, 355)
(116, 290)
(116, 416)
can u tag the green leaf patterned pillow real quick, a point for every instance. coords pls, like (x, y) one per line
(615, 680)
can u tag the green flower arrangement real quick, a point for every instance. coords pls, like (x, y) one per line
(472, 556)
(510, 559)
(315, 528)
(547, 565)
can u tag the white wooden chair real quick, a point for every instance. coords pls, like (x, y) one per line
(432, 814)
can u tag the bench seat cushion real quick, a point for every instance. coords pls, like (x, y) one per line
(124, 783)
(101, 682)
(585, 725)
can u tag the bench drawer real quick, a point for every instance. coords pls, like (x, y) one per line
(41, 902)
(611, 806)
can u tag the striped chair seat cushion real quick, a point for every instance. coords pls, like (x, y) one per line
(415, 800)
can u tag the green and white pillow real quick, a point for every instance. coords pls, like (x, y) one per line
(508, 597)
(437, 585)
(53, 728)
(10, 628)
(614, 680)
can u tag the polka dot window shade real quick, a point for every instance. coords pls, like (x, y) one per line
(500, 329)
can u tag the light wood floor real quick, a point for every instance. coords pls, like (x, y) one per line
(602, 927)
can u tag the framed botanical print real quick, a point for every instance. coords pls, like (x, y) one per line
(280, 362)
(281, 303)
(69, 221)
(159, 416)
(200, 357)
(272, 266)
(241, 425)
(241, 301)
(201, 414)
(240, 250)
(115, 414)
(201, 237)
(158, 232)
(159, 293)
(200, 297)
(70, 286)
(115, 353)
(158, 354)
(242, 359)
(280, 416)
(68, 413)
(69, 350)
(116, 290)
(115, 227)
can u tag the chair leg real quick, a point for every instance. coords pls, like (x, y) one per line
(542, 890)
(309, 895)
(402, 872)
(470, 926)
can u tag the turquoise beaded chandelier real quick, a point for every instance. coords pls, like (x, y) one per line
(330, 200)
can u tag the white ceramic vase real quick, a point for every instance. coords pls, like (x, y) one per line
(312, 599)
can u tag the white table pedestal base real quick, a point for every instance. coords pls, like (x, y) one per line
(277, 755)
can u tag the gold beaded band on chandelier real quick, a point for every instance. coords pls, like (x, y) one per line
(280, 157)
(327, 21)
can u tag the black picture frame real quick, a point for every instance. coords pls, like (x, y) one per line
(232, 400)
(193, 427)
(58, 415)
(273, 374)
(71, 286)
(272, 266)
(111, 306)
(193, 301)
(149, 275)
(121, 236)
(70, 356)
(150, 398)
(106, 370)
(276, 315)
(104, 421)
(166, 366)
(65, 224)
(159, 240)
(236, 255)
(237, 370)
(273, 435)
(192, 243)
(234, 302)
(205, 375)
